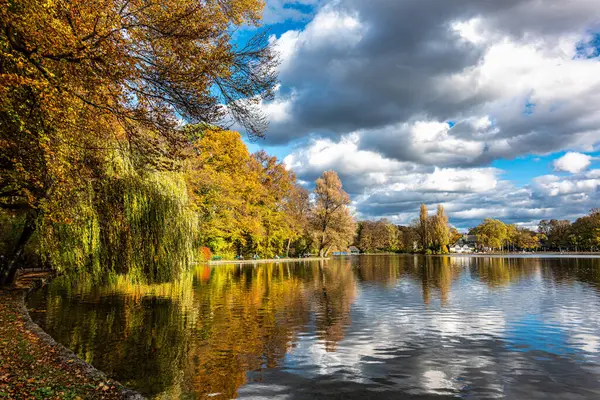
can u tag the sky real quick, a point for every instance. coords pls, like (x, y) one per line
(490, 108)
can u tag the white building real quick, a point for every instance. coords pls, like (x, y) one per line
(466, 244)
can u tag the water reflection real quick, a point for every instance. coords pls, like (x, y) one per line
(496, 272)
(351, 327)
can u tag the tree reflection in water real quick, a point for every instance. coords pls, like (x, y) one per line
(202, 334)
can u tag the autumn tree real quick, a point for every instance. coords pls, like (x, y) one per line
(390, 234)
(584, 233)
(246, 203)
(526, 239)
(331, 222)
(491, 233)
(298, 209)
(556, 233)
(278, 186)
(441, 230)
(512, 236)
(88, 82)
(455, 235)
(364, 236)
(423, 228)
(140, 61)
(408, 238)
(241, 198)
(377, 236)
(223, 185)
(434, 231)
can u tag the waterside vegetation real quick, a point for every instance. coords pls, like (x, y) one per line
(115, 155)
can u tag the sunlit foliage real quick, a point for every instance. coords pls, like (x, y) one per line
(331, 223)
(247, 203)
(378, 236)
(87, 85)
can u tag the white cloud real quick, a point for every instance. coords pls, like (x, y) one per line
(372, 169)
(285, 47)
(552, 185)
(330, 30)
(344, 156)
(369, 88)
(460, 180)
(279, 111)
(471, 30)
(384, 187)
(540, 96)
(573, 162)
(427, 142)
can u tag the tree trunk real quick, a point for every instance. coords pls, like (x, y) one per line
(322, 244)
(287, 250)
(9, 271)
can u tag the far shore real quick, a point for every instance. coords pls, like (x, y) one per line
(265, 260)
(541, 254)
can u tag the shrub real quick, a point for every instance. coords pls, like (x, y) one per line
(205, 254)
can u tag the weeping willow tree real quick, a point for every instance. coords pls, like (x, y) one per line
(136, 224)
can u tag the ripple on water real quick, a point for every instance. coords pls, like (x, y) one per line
(361, 327)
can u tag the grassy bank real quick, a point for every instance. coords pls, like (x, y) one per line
(34, 366)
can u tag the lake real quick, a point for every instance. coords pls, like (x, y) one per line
(354, 327)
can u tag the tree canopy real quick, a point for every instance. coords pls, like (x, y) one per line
(332, 224)
(96, 91)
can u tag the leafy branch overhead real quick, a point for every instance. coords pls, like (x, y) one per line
(145, 62)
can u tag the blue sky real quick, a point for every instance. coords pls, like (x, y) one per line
(368, 90)
(522, 170)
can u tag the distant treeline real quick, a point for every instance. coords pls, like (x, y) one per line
(581, 235)
(433, 234)
(551, 235)
(427, 234)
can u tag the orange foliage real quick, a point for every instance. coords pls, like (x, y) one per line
(205, 254)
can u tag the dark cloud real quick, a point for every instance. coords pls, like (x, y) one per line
(411, 101)
(388, 67)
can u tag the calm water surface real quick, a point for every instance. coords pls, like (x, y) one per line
(359, 327)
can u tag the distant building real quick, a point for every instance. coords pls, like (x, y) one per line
(466, 244)
(353, 250)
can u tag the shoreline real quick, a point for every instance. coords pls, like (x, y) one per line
(57, 371)
(544, 254)
(547, 254)
(264, 261)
